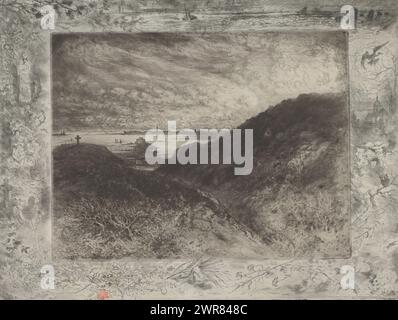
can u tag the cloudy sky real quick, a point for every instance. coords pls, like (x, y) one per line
(137, 81)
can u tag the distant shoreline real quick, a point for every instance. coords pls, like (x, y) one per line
(127, 133)
(100, 133)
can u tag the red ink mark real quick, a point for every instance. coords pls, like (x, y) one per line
(103, 294)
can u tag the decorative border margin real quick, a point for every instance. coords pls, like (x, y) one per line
(25, 221)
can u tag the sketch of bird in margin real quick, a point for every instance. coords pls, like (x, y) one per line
(372, 58)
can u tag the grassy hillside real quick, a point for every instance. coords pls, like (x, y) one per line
(105, 209)
(296, 198)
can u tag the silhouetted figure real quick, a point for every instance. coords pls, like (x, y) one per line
(303, 11)
(78, 139)
(378, 15)
(5, 190)
(121, 6)
(377, 105)
(188, 15)
(370, 16)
